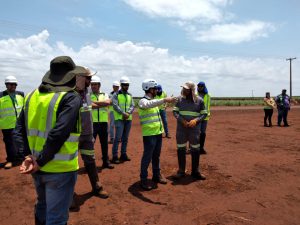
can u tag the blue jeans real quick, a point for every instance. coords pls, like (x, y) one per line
(54, 196)
(163, 115)
(111, 125)
(122, 132)
(152, 149)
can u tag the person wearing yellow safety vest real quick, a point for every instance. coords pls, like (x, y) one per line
(203, 93)
(11, 103)
(162, 109)
(187, 112)
(152, 129)
(100, 104)
(116, 87)
(48, 127)
(86, 139)
(123, 108)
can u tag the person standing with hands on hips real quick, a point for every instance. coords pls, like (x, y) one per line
(152, 129)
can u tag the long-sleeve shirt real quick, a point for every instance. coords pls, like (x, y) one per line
(67, 117)
(146, 102)
(184, 105)
(116, 106)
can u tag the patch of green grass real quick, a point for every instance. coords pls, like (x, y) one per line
(233, 101)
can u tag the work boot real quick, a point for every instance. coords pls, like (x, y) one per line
(160, 179)
(202, 142)
(106, 164)
(181, 163)
(8, 165)
(99, 191)
(195, 166)
(124, 157)
(115, 160)
(146, 185)
(97, 188)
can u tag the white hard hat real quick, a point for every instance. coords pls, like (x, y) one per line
(124, 80)
(116, 83)
(95, 79)
(11, 79)
(148, 83)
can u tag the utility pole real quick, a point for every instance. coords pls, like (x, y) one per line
(290, 59)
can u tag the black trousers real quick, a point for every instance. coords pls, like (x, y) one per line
(100, 129)
(268, 116)
(282, 115)
(9, 145)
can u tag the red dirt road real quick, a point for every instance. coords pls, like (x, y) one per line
(252, 178)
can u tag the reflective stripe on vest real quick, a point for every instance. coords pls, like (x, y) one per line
(40, 119)
(99, 114)
(9, 111)
(189, 113)
(206, 100)
(124, 102)
(150, 121)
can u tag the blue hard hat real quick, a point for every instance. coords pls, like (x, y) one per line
(159, 87)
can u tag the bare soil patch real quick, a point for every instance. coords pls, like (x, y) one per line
(252, 178)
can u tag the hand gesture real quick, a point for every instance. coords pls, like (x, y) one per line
(29, 165)
(170, 99)
(192, 123)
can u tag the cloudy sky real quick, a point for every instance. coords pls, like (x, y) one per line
(238, 48)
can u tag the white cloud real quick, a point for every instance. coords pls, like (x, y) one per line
(232, 33)
(181, 9)
(28, 59)
(82, 22)
(204, 20)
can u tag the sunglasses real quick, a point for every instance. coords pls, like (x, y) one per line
(125, 85)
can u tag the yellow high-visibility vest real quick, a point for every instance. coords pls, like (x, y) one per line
(206, 100)
(124, 102)
(9, 111)
(163, 95)
(100, 114)
(40, 115)
(150, 121)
